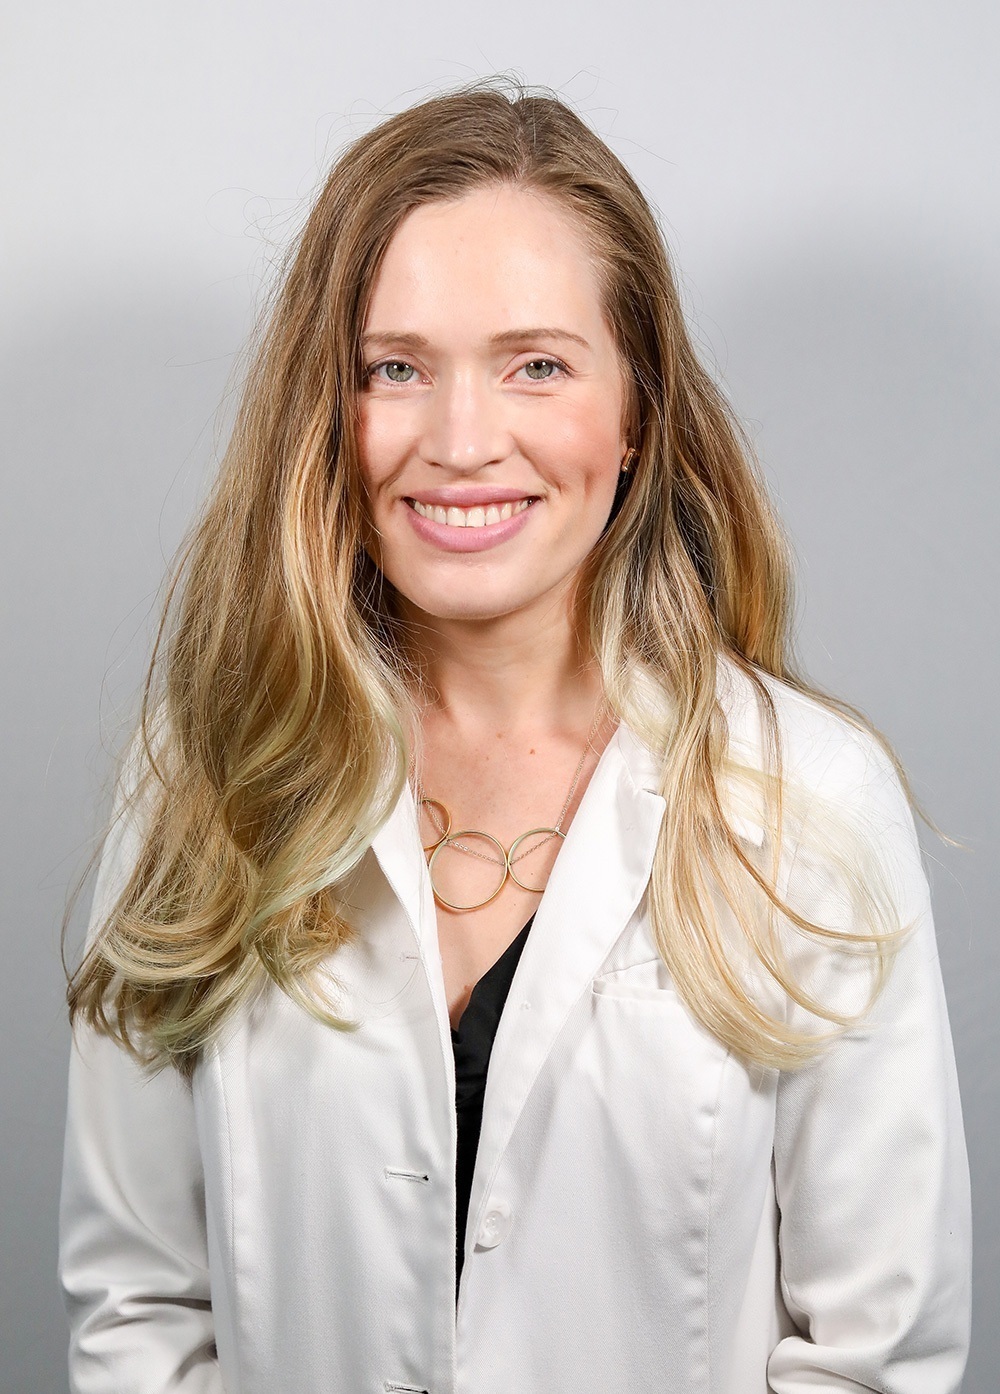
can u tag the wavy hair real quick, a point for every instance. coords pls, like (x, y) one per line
(278, 713)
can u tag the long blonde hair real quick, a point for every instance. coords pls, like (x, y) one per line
(277, 715)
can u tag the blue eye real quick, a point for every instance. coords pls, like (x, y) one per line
(393, 366)
(551, 364)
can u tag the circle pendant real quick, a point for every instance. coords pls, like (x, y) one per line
(532, 832)
(503, 861)
(436, 803)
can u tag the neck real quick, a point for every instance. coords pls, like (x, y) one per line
(511, 673)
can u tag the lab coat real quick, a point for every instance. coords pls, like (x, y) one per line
(647, 1212)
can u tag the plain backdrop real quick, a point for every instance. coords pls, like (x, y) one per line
(826, 177)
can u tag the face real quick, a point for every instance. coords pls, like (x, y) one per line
(491, 414)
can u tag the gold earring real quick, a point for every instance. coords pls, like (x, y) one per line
(628, 458)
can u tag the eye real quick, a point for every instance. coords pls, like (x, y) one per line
(543, 369)
(397, 371)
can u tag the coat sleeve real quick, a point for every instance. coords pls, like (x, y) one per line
(133, 1259)
(871, 1174)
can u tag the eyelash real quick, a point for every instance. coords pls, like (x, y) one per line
(403, 362)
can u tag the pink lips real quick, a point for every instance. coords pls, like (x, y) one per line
(467, 539)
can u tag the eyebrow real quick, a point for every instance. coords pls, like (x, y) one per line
(507, 338)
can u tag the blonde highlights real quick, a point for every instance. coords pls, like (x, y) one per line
(278, 715)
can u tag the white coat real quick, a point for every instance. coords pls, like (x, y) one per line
(646, 1212)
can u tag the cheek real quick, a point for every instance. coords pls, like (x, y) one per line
(377, 449)
(587, 449)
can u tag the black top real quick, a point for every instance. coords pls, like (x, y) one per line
(472, 1042)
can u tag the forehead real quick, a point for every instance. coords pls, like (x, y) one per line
(491, 260)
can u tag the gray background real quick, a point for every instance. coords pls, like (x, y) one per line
(827, 179)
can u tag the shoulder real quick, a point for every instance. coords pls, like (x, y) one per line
(828, 764)
(135, 798)
(820, 748)
(845, 830)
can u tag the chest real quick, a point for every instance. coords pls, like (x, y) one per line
(485, 889)
(493, 821)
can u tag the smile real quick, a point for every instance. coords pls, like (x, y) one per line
(470, 517)
(447, 528)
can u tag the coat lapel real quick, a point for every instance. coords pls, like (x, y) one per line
(595, 886)
(397, 847)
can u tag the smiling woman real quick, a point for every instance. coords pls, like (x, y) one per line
(476, 415)
(488, 896)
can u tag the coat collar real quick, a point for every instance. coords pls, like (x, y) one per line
(740, 795)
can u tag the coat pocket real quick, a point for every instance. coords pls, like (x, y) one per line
(645, 981)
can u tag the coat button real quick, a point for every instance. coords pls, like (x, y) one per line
(496, 1223)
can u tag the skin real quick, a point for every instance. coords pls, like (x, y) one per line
(447, 407)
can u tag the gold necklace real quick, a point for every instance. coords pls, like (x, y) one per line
(507, 856)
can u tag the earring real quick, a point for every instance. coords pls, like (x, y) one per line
(628, 459)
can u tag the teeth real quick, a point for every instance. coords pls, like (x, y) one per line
(471, 517)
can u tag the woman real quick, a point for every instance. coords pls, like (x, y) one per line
(478, 742)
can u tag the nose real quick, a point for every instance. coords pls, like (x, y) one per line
(465, 428)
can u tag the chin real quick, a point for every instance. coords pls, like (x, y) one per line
(469, 608)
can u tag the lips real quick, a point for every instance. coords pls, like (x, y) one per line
(478, 528)
(481, 515)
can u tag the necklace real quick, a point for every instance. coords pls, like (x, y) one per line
(440, 816)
